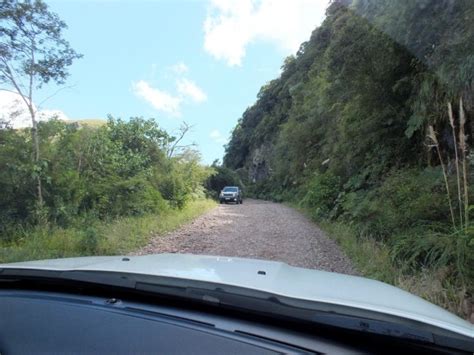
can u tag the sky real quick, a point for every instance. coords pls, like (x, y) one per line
(202, 62)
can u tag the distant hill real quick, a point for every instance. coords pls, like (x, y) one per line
(90, 122)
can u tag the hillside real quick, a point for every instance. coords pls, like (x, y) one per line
(89, 122)
(343, 133)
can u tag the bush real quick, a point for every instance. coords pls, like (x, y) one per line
(263, 190)
(406, 199)
(322, 192)
(173, 188)
(121, 168)
(222, 177)
(132, 197)
(89, 242)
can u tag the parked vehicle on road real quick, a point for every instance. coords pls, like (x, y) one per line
(231, 194)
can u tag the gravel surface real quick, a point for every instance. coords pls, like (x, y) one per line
(259, 230)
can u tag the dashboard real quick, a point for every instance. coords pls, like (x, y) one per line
(38, 321)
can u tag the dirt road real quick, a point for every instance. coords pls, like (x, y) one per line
(259, 230)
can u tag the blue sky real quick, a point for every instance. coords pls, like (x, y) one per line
(202, 62)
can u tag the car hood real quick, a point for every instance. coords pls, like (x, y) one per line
(268, 276)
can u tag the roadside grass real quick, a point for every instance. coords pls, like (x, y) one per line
(373, 259)
(129, 234)
(120, 236)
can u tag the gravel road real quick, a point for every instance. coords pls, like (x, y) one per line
(259, 230)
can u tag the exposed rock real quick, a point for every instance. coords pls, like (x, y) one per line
(259, 167)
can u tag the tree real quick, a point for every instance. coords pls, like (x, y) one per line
(32, 53)
(174, 146)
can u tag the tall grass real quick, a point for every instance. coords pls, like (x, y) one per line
(464, 150)
(371, 258)
(113, 238)
(131, 233)
(437, 283)
(435, 144)
(458, 178)
(463, 161)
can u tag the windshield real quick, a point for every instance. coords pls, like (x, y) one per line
(327, 135)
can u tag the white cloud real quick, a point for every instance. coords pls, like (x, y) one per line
(231, 25)
(179, 68)
(44, 115)
(160, 100)
(14, 111)
(189, 89)
(217, 136)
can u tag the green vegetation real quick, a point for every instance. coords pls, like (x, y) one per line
(33, 53)
(84, 187)
(91, 176)
(374, 259)
(358, 132)
(119, 169)
(368, 129)
(117, 237)
(87, 187)
(221, 178)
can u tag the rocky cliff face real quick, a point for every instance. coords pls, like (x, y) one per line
(259, 163)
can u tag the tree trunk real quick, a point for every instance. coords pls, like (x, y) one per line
(36, 156)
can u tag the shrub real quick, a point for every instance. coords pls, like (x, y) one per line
(89, 241)
(321, 194)
(134, 197)
(222, 177)
(406, 199)
(173, 188)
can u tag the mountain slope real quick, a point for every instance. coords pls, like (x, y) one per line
(343, 130)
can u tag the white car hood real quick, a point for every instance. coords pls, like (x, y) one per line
(280, 279)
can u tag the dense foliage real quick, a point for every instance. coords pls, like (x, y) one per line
(121, 168)
(63, 183)
(343, 130)
(221, 178)
(33, 52)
